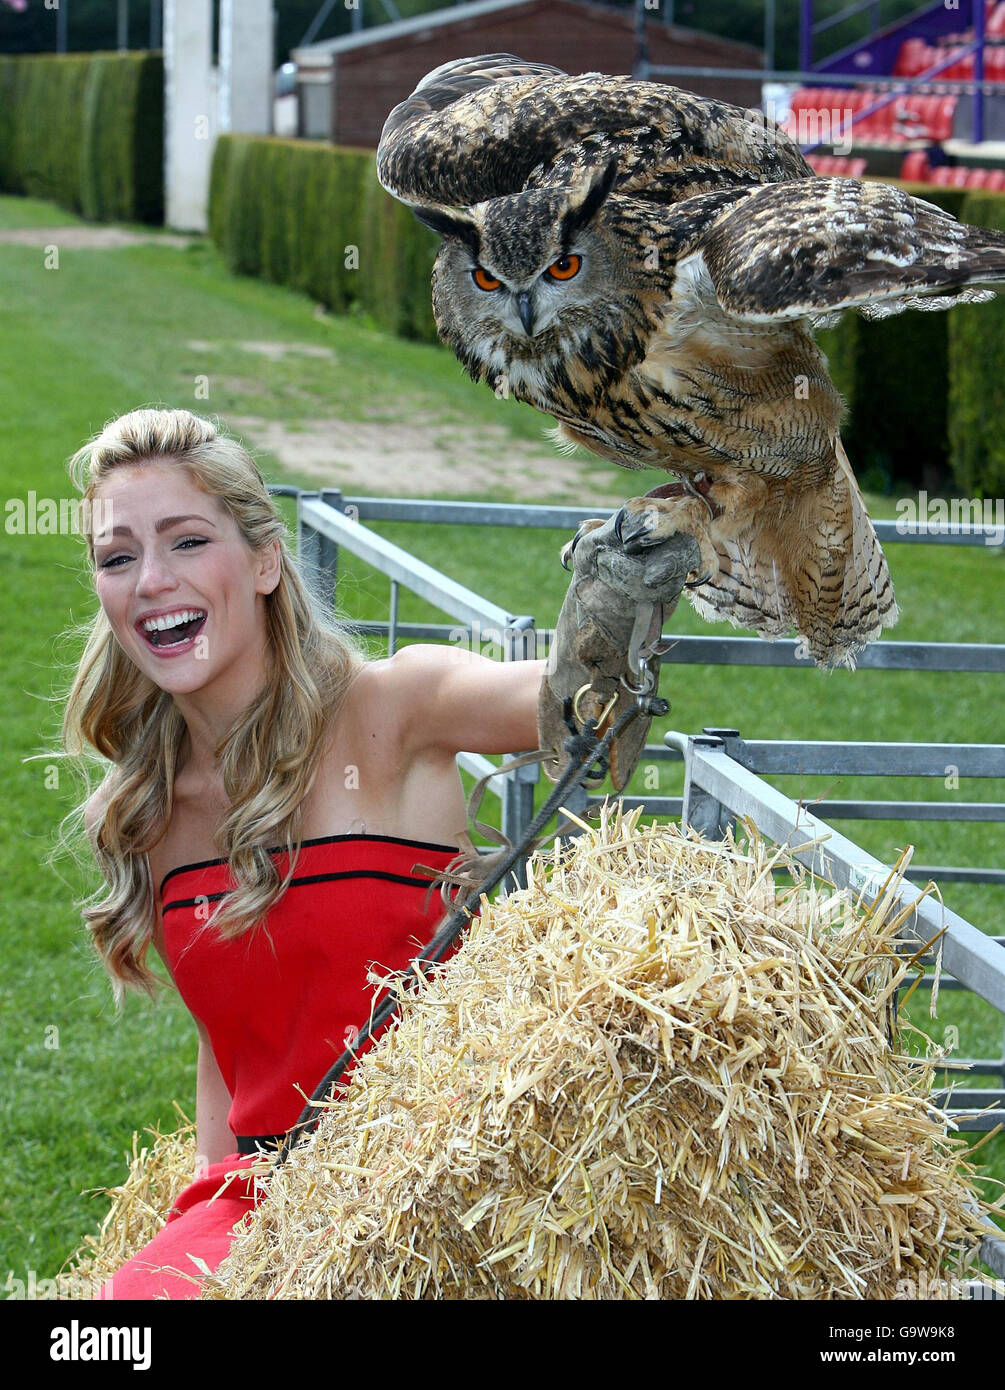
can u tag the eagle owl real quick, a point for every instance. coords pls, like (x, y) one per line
(647, 266)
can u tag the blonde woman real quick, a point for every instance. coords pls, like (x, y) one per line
(267, 794)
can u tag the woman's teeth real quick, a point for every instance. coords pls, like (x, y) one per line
(154, 627)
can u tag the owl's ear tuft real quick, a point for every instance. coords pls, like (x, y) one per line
(449, 224)
(587, 200)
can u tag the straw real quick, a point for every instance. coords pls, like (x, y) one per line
(157, 1173)
(649, 1074)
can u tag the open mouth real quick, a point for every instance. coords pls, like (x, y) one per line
(174, 629)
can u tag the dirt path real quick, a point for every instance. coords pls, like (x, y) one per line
(426, 458)
(87, 238)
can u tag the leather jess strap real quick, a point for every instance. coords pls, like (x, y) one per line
(251, 1143)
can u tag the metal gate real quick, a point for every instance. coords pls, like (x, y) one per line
(724, 773)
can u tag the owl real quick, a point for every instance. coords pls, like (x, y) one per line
(648, 267)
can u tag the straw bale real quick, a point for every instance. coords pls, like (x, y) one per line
(158, 1171)
(649, 1074)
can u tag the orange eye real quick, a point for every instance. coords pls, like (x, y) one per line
(484, 280)
(565, 267)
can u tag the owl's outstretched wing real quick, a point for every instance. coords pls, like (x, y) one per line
(826, 245)
(488, 127)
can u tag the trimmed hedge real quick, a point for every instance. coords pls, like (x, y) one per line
(892, 374)
(87, 131)
(977, 376)
(315, 218)
(298, 212)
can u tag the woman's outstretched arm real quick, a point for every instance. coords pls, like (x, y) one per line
(461, 701)
(212, 1102)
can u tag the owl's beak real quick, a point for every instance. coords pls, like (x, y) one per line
(525, 308)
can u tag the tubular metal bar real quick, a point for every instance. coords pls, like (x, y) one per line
(477, 764)
(308, 542)
(945, 982)
(911, 810)
(472, 513)
(971, 1098)
(392, 621)
(532, 641)
(525, 516)
(929, 957)
(826, 759)
(819, 78)
(757, 651)
(966, 1120)
(976, 1066)
(713, 778)
(887, 656)
(859, 810)
(946, 873)
(390, 559)
(841, 16)
(992, 1252)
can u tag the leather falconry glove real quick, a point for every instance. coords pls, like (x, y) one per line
(607, 637)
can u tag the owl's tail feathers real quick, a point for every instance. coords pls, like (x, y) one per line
(820, 570)
(748, 590)
(842, 622)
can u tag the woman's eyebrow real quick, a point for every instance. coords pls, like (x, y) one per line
(164, 523)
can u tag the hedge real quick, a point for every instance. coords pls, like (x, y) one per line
(87, 131)
(315, 218)
(924, 391)
(977, 376)
(893, 374)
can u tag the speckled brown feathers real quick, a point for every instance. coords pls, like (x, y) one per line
(795, 250)
(647, 266)
(494, 125)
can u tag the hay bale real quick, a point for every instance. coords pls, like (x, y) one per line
(647, 1075)
(139, 1205)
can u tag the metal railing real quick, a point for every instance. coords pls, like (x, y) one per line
(720, 786)
(723, 773)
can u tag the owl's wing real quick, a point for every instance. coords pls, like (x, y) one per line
(819, 247)
(488, 127)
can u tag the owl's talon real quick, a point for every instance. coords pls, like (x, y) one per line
(568, 550)
(637, 535)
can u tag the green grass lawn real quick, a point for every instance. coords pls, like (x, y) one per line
(111, 330)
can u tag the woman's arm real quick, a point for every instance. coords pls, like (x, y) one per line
(214, 1139)
(459, 701)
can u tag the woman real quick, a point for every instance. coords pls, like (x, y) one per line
(252, 747)
(270, 796)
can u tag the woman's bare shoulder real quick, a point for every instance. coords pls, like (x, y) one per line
(94, 809)
(389, 688)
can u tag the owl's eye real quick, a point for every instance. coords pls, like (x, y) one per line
(484, 280)
(564, 268)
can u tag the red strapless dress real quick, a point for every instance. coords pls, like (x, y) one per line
(280, 1004)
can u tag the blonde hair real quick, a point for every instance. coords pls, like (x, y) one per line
(269, 757)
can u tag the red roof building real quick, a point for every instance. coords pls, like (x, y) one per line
(348, 85)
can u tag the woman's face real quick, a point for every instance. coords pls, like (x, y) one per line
(180, 586)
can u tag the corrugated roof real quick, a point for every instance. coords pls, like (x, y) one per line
(317, 54)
